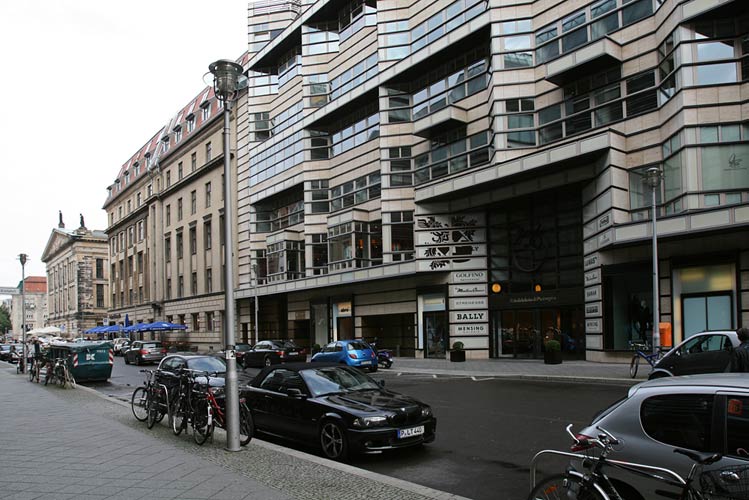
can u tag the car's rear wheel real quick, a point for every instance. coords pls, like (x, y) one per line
(127, 362)
(333, 441)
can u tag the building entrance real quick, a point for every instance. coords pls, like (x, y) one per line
(521, 333)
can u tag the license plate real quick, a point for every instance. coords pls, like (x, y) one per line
(365, 363)
(413, 431)
(293, 353)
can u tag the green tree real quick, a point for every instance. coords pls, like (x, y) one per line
(5, 323)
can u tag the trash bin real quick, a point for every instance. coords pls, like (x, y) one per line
(86, 360)
(666, 334)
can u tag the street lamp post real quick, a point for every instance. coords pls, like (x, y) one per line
(23, 257)
(653, 177)
(226, 76)
(254, 293)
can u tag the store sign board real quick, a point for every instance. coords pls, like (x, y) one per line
(468, 277)
(469, 303)
(468, 290)
(469, 316)
(470, 329)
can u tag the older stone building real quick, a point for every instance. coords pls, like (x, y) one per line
(166, 231)
(35, 290)
(77, 276)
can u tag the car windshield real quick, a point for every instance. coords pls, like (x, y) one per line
(357, 346)
(334, 379)
(206, 364)
(288, 344)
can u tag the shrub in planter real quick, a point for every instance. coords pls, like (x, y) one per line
(315, 349)
(457, 353)
(552, 352)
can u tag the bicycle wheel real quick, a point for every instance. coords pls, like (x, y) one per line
(153, 410)
(32, 371)
(246, 425)
(138, 403)
(634, 365)
(202, 423)
(562, 487)
(179, 415)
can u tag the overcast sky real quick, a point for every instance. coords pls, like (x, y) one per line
(85, 83)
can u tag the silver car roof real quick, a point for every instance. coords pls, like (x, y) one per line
(720, 380)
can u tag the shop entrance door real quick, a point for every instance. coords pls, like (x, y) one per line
(521, 333)
(435, 330)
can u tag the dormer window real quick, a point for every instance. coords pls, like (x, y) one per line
(205, 110)
(177, 134)
(127, 177)
(148, 160)
(136, 169)
(190, 123)
(165, 143)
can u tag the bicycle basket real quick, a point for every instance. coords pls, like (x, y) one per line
(727, 483)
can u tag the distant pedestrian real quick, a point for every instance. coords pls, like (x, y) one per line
(740, 356)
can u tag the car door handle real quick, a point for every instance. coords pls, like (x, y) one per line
(730, 476)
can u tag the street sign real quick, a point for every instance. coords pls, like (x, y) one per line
(9, 290)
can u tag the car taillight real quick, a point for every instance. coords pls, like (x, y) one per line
(583, 443)
(352, 355)
(372, 354)
(163, 351)
(281, 354)
(143, 351)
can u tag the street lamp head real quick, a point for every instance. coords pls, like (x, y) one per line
(22, 257)
(653, 177)
(226, 77)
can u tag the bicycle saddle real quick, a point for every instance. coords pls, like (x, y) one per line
(700, 458)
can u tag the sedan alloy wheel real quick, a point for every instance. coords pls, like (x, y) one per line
(333, 441)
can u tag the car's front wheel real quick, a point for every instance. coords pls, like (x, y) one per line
(333, 441)
(127, 362)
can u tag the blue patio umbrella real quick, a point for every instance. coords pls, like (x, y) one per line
(127, 320)
(163, 326)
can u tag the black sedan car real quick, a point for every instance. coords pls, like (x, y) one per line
(173, 365)
(272, 352)
(337, 408)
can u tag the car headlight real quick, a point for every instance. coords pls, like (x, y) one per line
(366, 422)
(426, 411)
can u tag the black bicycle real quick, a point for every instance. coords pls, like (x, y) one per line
(595, 484)
(150, 403)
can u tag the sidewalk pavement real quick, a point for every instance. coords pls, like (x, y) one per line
(59, 444)
(526, 369)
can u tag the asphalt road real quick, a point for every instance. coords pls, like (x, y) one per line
(488, 429)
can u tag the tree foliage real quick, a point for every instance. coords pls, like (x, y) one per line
(5, 323)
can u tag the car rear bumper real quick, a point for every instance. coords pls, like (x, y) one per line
(378, 440)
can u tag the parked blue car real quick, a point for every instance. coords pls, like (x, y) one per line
(350, 352)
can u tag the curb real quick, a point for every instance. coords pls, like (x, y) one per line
(625, 382)
(424, 491)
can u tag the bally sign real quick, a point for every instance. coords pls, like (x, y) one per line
(468, 316)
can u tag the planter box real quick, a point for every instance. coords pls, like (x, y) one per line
(552, 357)
(457, 356)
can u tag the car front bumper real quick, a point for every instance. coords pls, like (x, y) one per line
(377, 440)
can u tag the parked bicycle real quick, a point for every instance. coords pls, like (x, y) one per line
(59, 373)
(181, 405)
(150, 403)
(595, 483)
(208, 411)
(644, 352)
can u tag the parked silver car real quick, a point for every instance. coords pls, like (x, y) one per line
(706, 352)
(705, 413)
(144, 351)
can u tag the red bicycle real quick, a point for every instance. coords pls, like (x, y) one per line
(209, 411)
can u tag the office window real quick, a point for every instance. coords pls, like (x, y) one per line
(193, 241)
(209, 280)
(193, 162)
(193, 202)
(194, 283)
(207, 194)
(99, 269)
(169, 288)
(181, 287)
(207, 236)
(209, 320)
(208, 152)
(168, 178)
(167, 249)
(179, 171)
(179, 209)
(180, 245)
(168, 215)
(195, 317)
(138, 200)
(99, 295)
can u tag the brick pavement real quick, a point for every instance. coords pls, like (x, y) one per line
(60, 444)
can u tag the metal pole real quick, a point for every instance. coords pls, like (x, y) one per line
(232, 391)
(22, 258)
(656, 293)
(254, 290)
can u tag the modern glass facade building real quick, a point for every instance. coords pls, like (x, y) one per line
(440, 171)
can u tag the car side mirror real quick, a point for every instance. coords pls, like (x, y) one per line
(295, 393)
(381, 383)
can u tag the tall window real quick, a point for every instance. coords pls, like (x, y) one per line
(194, 283)
(167, 249)
(207, 236)
(193, 241)
(168, 178)
(179, 171)
(208, 152)
(209, 280)
(193, 202)
(181, 287)
(100, 269)
(207, 194)
(402, 235)
(168, 215)
(180, 245)
(99, 295)
(179, 209)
